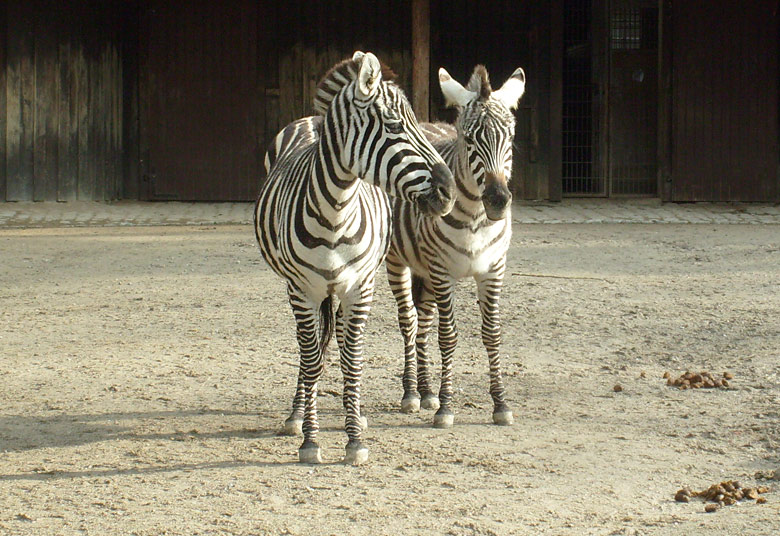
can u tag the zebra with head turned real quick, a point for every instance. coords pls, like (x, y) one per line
(326, 232)
(428, 255)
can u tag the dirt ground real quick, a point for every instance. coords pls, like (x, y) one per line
(146, 371)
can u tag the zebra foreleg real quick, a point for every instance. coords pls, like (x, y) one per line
(400, 280)
(340, 340)
(426, 310)
(312, 364)
(294, 423)
(489, 290)
(355, 312)
(448, 340)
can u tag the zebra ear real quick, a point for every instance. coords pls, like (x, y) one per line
(370, 74)
(454, 93)
(512, 89)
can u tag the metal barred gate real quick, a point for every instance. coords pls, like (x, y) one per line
(610, 98)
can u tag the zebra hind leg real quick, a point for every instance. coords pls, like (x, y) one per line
(293, 425)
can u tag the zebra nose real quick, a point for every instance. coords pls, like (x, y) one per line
(497, 197)
(443, 188)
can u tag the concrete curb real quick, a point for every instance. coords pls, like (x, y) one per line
(130, 213)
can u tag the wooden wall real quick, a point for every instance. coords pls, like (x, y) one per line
(724, 102)
(211, 97)
(62, 101)
(72, 117)
(307, 38)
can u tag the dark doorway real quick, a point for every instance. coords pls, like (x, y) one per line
(610, 98)
(198, 101)
(633, 98)
(582, 166)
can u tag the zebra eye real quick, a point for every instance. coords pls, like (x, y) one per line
(394, 127)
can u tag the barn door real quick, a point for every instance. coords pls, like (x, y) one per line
(610, 98)
(198, 100)
(633, 97)
(724, 101)
(583, 133)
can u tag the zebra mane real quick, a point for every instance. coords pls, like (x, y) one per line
(480, 82)
(339, 76)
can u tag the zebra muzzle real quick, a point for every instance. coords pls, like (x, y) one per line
(441, 196)
(497, 198)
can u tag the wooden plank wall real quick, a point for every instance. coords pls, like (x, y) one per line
(62, 101)
(199, 100)
(302, 40)
(725, 101)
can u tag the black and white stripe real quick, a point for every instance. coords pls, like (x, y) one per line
(429, 255)
(326, 232)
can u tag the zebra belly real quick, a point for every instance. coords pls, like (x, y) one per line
(339, 277)
(322, 271)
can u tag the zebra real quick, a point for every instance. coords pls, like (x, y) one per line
(326, 233)
(429, 255)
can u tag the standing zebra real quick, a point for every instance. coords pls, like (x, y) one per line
(428, 255)
(326, 232)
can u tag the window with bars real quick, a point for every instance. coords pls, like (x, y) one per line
(633, 28)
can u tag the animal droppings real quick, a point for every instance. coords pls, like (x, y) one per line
(698, 380)
(723, 494)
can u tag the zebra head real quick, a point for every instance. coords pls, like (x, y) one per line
(486, 129)
(380, 138)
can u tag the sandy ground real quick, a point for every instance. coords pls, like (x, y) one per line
(145, 373)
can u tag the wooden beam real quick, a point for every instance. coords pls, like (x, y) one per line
(421, 58)
(556, 100)
(3, 108)
(665, 100)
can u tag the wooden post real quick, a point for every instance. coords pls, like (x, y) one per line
(421, 58)
(556, 100)
(665, 101)
(3, 107)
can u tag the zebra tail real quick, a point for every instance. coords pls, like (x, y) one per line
(326, 322)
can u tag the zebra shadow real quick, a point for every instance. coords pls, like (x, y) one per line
(20, 433)
(48, 475)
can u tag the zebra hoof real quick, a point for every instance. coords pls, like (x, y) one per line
(310, 455)
(292, 427)
(430, 402)
(355, 454)
(443, 420)
(363, 422)
(503, 418)
(410, 405)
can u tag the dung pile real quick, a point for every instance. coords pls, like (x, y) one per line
(723, 494)
(698, 380)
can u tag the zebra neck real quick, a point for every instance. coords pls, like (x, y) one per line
(332, 190)
(468, 203)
